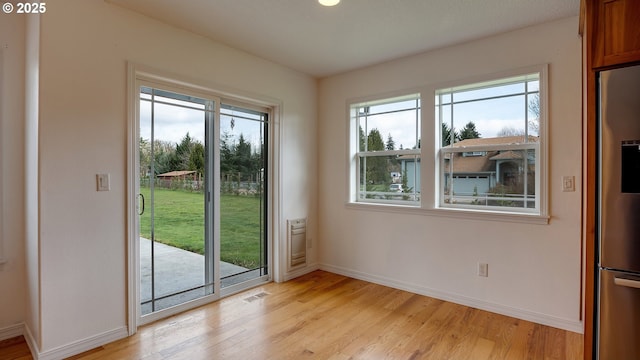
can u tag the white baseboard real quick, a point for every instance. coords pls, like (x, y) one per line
(301, 271)
(31, 342)
(11, 331)
(20, 330)
(543, 319)
(81, 346)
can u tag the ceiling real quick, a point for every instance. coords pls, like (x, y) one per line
(322, 41)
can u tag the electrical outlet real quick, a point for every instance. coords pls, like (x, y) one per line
(483, 269)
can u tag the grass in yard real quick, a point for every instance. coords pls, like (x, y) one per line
(179, 222)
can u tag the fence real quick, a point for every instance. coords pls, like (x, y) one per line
(246, 188)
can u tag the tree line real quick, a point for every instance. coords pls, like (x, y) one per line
(450, 135)
(237, 157)
(378, 169)
(188, 154)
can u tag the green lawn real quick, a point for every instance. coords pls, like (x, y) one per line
(179, 221)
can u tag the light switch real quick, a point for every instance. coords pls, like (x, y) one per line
(568, 183)
(103, 182)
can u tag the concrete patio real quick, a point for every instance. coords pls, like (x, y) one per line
(178, 270)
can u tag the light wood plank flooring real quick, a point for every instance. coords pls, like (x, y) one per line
(327, 316)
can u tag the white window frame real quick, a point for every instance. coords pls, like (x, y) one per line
(356, 195)
(450, 200)
(430, 160)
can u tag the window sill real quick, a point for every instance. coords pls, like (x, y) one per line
(453, 213)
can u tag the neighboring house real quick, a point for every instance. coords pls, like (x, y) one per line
(477, 171)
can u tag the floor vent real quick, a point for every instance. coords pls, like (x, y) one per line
(297, 243)
(255, 297)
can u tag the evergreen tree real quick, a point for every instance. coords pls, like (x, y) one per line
(374, 141)
(183, 152)
(196, 158)
(390, 145)
(376, 166)
(243, 157)
(164, 157)
(469, 132)
(226, 154)
(448, 135)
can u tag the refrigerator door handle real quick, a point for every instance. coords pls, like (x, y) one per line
(627, 282)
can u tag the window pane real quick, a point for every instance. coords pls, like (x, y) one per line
(388, 126)
(533, 107)
(172, 98)
(504, 178)
(493, 91)
(388, 134)
(486, 124)
(392, 106)
(389, 178)
(395, 131)
(443, 116)
(504, 116)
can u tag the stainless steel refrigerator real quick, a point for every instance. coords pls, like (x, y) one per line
(618, 287)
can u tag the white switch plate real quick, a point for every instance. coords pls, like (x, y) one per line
(568, 183)
(103, 182)
(483, 269)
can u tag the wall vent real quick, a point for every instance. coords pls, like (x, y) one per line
(297, 243)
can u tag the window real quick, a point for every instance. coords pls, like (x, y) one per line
(489, 155)
(385, 135)
(484, 148)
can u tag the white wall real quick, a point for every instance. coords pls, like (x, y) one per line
(31, 201)
(12, 273)
(84, 49)
(534, 270)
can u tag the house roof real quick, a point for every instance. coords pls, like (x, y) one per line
(486, 162)
(507, 155)
(479, 163)
(503, 140)
(176, 173)
(471, 164)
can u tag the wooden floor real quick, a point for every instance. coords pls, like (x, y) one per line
(327, 316)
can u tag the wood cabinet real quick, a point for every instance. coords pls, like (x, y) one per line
(616, 25)
(610, 32)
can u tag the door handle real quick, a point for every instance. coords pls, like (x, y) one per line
(627, 282)
(141, 210)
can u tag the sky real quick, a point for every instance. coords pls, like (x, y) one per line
(490, 116)
(171, 123)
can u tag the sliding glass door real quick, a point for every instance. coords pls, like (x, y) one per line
(202, 197)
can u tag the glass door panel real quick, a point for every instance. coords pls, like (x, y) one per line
(243, 195)
(176, 253)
